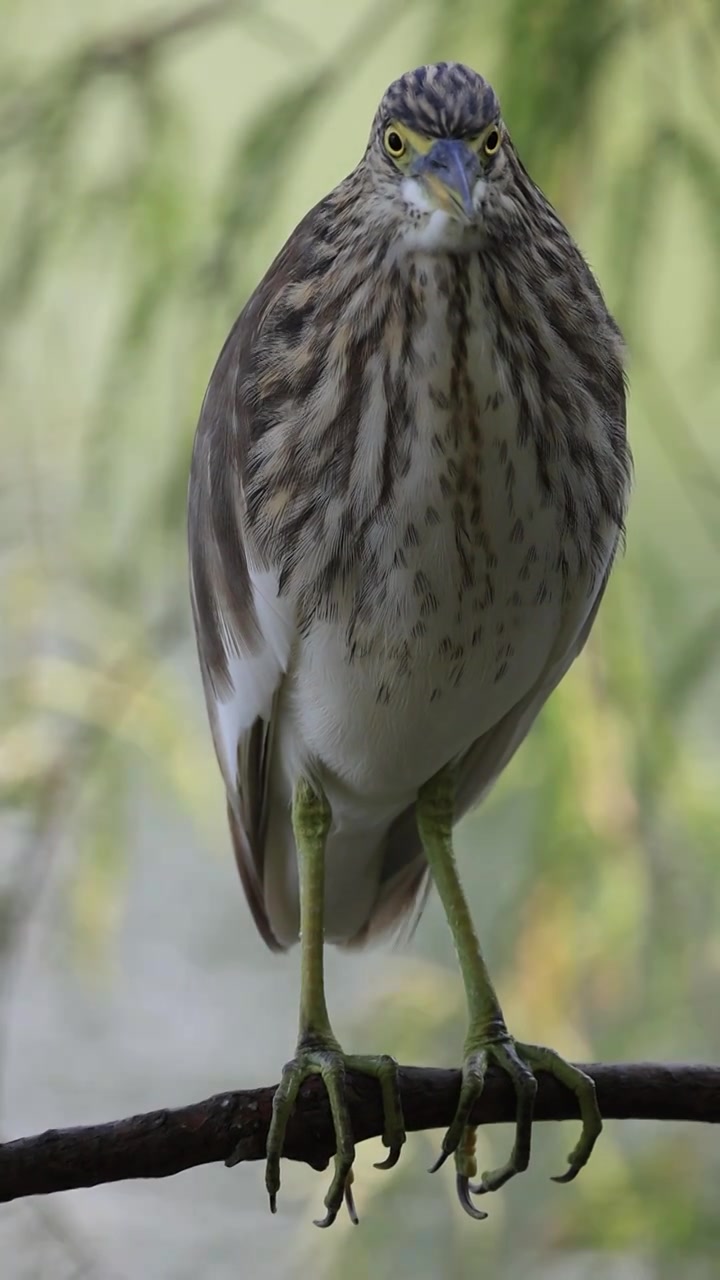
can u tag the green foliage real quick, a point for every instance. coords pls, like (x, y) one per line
(137, 211)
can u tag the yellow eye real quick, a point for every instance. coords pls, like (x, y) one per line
(491, 144)
(394, 143)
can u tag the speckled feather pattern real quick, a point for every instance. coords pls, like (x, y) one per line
(423, 457)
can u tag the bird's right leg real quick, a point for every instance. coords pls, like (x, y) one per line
(487, 1039)
(318, 1051)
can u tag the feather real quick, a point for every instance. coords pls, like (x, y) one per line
(244, 631)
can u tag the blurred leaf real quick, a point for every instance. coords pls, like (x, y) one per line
(635, 189)
(685, 148)
(697, 657)
(554, 55)
(256, 172)
(97, 891)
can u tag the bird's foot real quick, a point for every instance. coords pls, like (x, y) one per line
(520, 1061)
(327, 1060)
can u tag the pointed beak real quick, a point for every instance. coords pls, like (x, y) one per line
(449, 171)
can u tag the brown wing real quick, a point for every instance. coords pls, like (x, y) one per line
(244, 631)
(242, 657)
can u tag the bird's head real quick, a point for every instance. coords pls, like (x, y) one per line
(438, 145)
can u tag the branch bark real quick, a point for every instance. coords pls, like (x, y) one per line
(161, 1143)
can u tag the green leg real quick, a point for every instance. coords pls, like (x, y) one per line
(318, 1052)
(487, 1037)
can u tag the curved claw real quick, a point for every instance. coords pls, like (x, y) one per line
(335, 1202)
(335, 1196)
(273, 1202)
(570, 1176)
(464, 1190)
(327, 1221)
(390, 1160)
(350, 1203)
(439, 1162)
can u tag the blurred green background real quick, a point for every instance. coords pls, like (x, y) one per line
(151, 162)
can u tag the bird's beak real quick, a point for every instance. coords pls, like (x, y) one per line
(449, 171)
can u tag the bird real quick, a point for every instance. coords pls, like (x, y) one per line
(409, 484)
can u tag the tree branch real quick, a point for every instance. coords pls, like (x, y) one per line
(235, 1125)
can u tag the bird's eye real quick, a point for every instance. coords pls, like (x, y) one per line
(394, 144)
(491, 143)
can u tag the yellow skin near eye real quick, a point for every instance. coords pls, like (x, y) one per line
(492, 145)
(392, 137)
(412, 141)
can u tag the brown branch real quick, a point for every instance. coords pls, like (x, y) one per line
(161, 1143)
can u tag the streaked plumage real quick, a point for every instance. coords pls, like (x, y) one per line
(408, 487)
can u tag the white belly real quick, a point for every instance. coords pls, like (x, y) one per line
(416, 686)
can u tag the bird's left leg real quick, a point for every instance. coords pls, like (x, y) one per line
(318, 1052)
(487, 1038)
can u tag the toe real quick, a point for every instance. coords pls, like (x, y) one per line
(525, 1086)
(386, 1072)
(473, 1079)
(283, 1106)
(583, 1086)
(333, 1073)
(390, 1160)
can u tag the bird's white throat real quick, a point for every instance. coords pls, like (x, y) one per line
(438, 230)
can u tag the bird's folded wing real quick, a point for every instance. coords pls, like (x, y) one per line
(244, 634)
